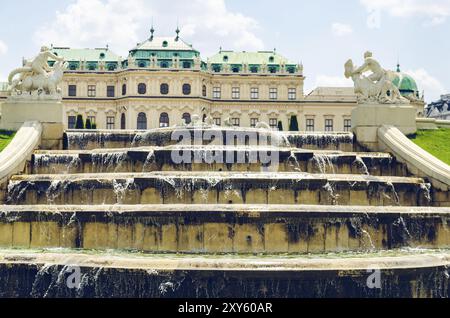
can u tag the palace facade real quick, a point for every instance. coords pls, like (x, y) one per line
(164, 81)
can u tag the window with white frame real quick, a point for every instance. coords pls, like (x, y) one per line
(218, 121)
(347, 124)
(253, 122)
(235, 93)
(310, 124)
(92, 90)
(217, 92)
(329, 125)
(254, 93)
(292, 94)
(235, 122)
(273, 93)
(110, 122)
(71, 122)
(273, 123)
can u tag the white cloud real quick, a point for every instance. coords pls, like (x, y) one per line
(3, 47)
(121, 24)
(434, 11)
(432, 87)
(341, 29)
(332, 81)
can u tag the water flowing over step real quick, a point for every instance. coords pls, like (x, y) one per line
(209, 158)
(404, 273)
(212, 229)
(82, 139)
(218, 188)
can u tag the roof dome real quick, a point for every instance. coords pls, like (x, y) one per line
(405, 83)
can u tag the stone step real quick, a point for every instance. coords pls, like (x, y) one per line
(214, 159)
(88, 140)
(212, 229)
(32, 273)
(218, 188)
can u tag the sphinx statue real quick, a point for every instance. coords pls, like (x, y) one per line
(36, 79)
(376, 88)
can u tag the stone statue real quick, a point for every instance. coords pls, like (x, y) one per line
(37, 77)
(378, 86)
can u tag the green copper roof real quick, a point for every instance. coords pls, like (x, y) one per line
(405, 83)
(251, 58)
(89, 55)
(164, 44)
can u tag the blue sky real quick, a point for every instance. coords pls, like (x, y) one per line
(322, 34)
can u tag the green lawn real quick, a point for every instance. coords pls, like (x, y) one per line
(5, 138)
(436, 142)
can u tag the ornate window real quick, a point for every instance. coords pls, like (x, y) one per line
(216, 68)
(164, 120)
(273, 123)
(253, 122)
(291, 70)
(142, 89)
(72, 90)
(217, 121)
(123, 122)
(186, 118)
(165, 44)
(164, 89)
(71, 122)
(254, 93)
(142, 121)
(187, 89)
(110, 91)
(292, 94)
(329, 125)
(310, 124)
(186, 64)
(217, 93)
(347, 124)
(92, 119)
(271, 59)
(235, 69)
(254, 69)
(110, 122)
(235, 93)
(272, 69)
(124, 89)
(225, 58)
(204, 91)
(236, 122)
(92, 90)
(164, 65)
(273, 93)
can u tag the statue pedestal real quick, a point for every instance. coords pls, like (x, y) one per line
(48, 112)
(368, 118)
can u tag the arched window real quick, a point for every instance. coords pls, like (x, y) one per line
(186, 89)
(164, 65)
(164, 89)
(271, 59)
(141, 64)
(204, 91)
(272, 70)
(186, 64)
(164, 120)
(124, 89)
(165, 44)
(187, 118)
(142, 89)
(123, 122)
(142, 121)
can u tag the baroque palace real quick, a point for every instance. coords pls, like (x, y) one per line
(164, 81)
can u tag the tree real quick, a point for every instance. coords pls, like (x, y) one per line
(80, 123)
(293, 126)
(280, 126)
(88, 124)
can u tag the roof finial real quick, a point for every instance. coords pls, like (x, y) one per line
(152, 31)
(398, 63)
(177, 31)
